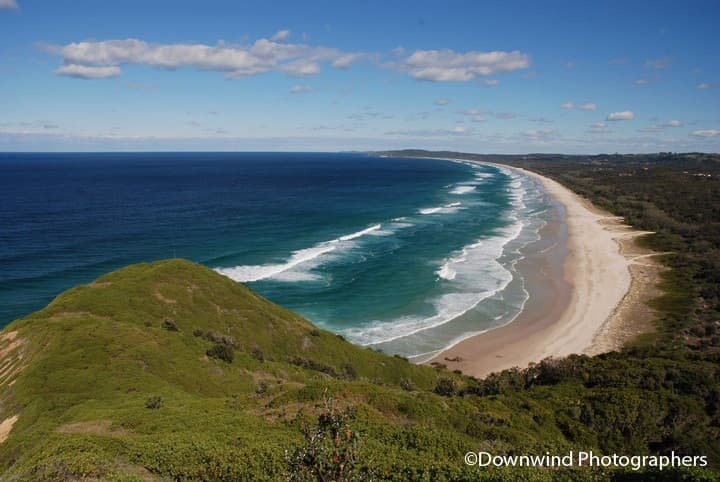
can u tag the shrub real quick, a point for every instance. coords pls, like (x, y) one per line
(314, 332)
(220, 339)
(447, 387)
(258, 354)
(169, 325)
(221, 351)
(349, 371)
(154, 402)
(330, 451)
(312, 365)
(197, 332)
(262, 388)
(406, 385)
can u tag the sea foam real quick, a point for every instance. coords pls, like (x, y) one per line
(307, 257)
(473, 274)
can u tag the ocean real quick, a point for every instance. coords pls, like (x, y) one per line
(407, 256)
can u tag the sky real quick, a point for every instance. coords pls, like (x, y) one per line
(477, 76)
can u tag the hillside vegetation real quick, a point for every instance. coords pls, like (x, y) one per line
(170, 371)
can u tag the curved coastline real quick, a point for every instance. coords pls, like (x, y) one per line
(580, 293)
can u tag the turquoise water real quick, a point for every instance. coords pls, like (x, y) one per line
(404, 255)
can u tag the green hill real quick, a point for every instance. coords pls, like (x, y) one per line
(170, 371)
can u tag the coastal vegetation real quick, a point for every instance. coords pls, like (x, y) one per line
(170, 371)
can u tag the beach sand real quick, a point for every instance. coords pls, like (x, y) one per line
(588, 293)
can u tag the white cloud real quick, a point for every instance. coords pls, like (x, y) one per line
(442, 102)
(87, 72)
(587, 106)
(658, 64)
(301, 68)
(707, 133)
(478, 118)
(642, 82)
(662, 127)
(471, 112)
(599, 125)
(346, 60)
(540, 134)
(490, 82)
(451, 66)
(235, 61)
(300, 89)
(280, 36)
(621, 116)
(424, 133)
(705, 85)
(8, 5)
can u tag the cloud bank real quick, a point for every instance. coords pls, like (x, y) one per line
(451, 66)
(621, 116)
(104, 59)
(94, 60)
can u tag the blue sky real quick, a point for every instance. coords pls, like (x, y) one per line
(492, 77)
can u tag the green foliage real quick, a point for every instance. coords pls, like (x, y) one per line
(330, 450)
(154, 402)
(169, 325)
(446, 386)
(222, 352)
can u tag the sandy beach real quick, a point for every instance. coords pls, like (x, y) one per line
(587, 295)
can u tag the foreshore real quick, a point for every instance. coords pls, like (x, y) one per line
(586, 295)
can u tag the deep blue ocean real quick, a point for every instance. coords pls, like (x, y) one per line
(405, 255)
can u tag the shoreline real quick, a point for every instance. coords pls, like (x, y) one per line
(587, 293)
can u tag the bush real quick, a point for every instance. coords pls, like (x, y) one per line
(330, 451)
(262, 388)
(258, 354)
(314, 332)
(349, 372)
(447, 387)
(169, 325)
(197, 332)
(154, 402)
(312, 365)
(220, 339)
(406, 385)
(221, 351)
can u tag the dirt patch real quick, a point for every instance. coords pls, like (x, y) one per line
(307, 343)
(102, 284)
(162, 298)
(96, 427)
(6, 426)
(7, 348)
(633, 316)
(73, 314)
(9, 336)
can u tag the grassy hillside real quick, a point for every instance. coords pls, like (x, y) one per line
(170, 371)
